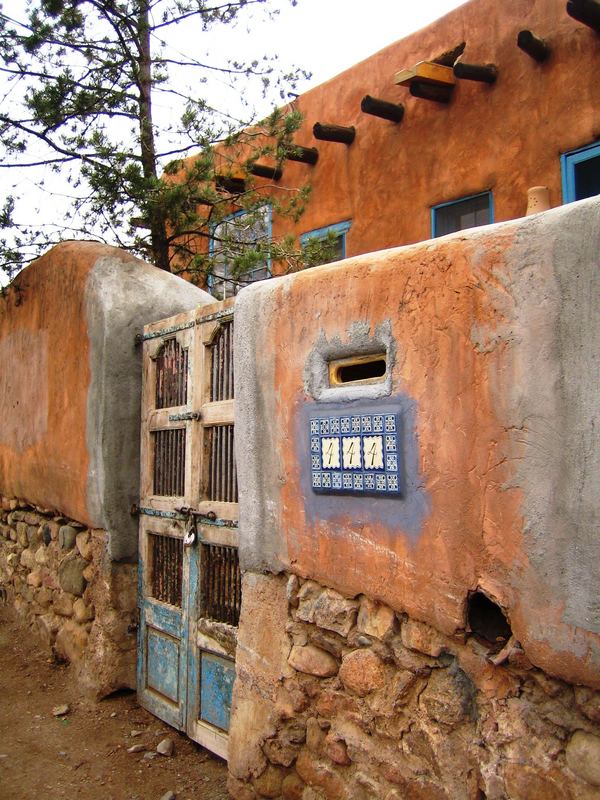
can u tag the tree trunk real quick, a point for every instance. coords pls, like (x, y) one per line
(158, 228)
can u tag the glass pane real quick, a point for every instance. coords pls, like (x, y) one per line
(230, 239)
(587, 178)
(463, 214)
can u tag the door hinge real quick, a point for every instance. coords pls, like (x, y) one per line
(194, 415)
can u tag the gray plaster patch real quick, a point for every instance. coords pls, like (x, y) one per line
(23, 389)
(555, 406)
(404, 514)
(122, 295)
(262, 547)
(359, 342)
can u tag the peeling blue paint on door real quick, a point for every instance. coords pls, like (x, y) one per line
(163, 664)
(216, 685)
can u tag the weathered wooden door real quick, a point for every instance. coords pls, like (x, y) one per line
(190, 587)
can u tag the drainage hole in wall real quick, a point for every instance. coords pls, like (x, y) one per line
(486, 619)
(360, 369)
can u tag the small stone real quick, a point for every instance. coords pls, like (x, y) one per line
(362, 671)
(35, 579)
(588, 702)
(133, 734)
(28, 558)
(136, 748)
(70, 574)
(313, 661)
(417, 636)
(67, 537)
(269, 783)
(114, 714)
(292, 588)
(375, 619)
(337, 751)
(292, 787)
(168, 796)
(61, 711)
(334, 613)
(84, 545)
(71, 642)
(150, 756)
(583, 756)
(166, 747)
(40, 555)
(82, 612)
(63, 605)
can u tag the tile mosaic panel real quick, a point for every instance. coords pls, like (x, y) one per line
(355, 453)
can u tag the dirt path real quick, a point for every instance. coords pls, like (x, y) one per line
(83, 754)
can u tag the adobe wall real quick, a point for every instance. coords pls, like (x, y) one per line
(491, 337)
(80, 605)
(70, 386)
(70, 382)
(504, 138)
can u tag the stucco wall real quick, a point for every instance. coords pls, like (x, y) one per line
(70, 378)
(492, 343)
(504, 138)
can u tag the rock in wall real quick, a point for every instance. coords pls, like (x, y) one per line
(81, 605)
(359, 701)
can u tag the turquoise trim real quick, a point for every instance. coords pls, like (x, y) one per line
(436, 208)
(339, 229)
(568, 161)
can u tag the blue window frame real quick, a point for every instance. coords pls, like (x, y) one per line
(333, 238)
(581, 173)
(243, 229)
(458, 215)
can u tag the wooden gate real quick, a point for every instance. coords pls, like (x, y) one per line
(189, 585)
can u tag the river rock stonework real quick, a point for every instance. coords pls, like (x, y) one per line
(368, 703)
(81, 605)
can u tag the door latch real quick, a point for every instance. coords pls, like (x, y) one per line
(189, 537)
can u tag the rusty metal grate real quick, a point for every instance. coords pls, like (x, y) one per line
(221, 385)
(169, 462)
(171, 375)
(221, 583)
(166, 568)
(222, 474)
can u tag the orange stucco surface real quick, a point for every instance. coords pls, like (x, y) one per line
(471, 318)
(45, 380)
(474, 526)
(502, 138)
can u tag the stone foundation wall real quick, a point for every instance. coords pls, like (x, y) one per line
(82, 606)
(345, 698)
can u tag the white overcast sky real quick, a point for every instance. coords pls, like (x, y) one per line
(323, 37)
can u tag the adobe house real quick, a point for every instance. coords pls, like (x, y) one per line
(404, 146)
(411, 488)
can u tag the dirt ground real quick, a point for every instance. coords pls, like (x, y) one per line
(83, 754)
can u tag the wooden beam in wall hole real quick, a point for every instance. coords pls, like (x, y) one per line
(229, 183)
(382, 108)
(429, 91)
(484, 73)
(334, 133)
(585, 11)
(535, 47)
(426, 72)
(306, 155)
(263, 171)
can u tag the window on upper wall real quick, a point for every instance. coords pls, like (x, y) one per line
(581, 173)
(324, 245)
(457, 215)
(240, 239)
